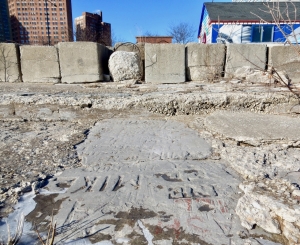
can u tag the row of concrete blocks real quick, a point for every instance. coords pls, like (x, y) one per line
(210, 62)
(67, 63)
(80, 62)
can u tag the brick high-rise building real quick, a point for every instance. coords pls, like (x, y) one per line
(5, 29)
(90, 27)
(29, 21)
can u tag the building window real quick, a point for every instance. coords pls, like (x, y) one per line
(262, 33)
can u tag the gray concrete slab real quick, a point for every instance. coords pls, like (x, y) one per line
(164, 63)
(10, 63)
(40, 64)
(252, 127)
(287, 59)
(239, 55)
(204, 61)
(176, 200)
(149, 140)
(136, 173)
(82, 62)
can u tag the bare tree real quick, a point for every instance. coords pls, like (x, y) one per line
(284, 15)
(115, 39)
(150, 34)
(182, 32)
(5, 63)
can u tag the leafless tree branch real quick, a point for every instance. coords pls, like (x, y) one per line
(182, 32)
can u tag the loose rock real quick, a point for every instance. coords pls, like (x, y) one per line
(125, 66)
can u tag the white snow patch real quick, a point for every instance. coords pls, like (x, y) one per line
(25, 205)
(146, 233)
(85, 241)
(123, 240)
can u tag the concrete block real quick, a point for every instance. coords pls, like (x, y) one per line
(82, 62)
(164, 63)
(239, 55)
(204, 61)
(40, 64)
(10, 63)
(286, 59)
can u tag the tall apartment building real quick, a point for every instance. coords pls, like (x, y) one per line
(30, 20)
(90, 27)
(5, 29)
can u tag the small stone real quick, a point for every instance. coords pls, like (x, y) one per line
(296, 193)
(235, 81)
(17, 190)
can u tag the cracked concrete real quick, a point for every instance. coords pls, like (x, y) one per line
(167, 158)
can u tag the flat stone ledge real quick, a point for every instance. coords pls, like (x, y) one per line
(254, 128)
(136, 140)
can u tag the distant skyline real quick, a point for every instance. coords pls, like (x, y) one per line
(135, 17)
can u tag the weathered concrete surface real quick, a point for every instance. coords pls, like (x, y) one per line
(176, 200)
(125, 66)
(253, 75)
(274, 206)
(256, 145)
(204, 61)
(239, 55)
(43, 125)
(9, 63)
(254, 128)
(149, 140)
(164, 63)
(82, 62)
(286, 58)
(138, 170)
(40, 64)
(176, 99)
(263, 161)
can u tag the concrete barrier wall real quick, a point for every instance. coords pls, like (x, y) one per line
(239, 55)
(287, 59)
(164, 63)
(40, 64)
(10, 63)
(204, 62)
(79, 62)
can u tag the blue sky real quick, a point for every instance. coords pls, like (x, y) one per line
(136, 17)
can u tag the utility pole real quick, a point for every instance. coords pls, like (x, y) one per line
(47, 20)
